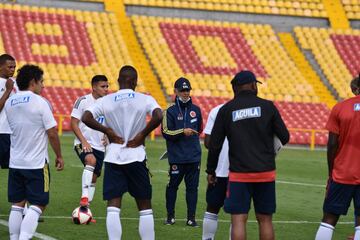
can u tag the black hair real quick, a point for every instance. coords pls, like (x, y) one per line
(98, 78)
(127, 73)
(27, 73)
(5, 57)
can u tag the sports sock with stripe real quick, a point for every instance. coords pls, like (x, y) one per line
(146, 225)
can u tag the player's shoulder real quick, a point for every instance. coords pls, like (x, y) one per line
(43, 101)
(81, 100)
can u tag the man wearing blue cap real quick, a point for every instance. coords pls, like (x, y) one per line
(249, 123)
(181, 126)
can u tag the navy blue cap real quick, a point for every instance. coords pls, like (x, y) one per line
(182, 84)
(244, 77)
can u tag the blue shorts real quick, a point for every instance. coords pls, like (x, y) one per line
(99, 156)
(216, 194)
(133, 178)
(31, 185)
(4, 150)
(239, 195)
(338, 198)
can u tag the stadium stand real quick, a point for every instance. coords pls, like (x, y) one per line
(336, 51)
(308, 8)
(352, 8)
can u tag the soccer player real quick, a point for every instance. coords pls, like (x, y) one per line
(181, 126)
(344, 175)
(216, 189)
(88, 143)
(125, 112)
(7, 87)
(249, 123)
(32, 125)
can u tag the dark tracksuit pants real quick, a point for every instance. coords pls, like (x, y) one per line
(191, 172)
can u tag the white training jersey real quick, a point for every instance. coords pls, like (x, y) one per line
(92, 136)
(222, 169)
(125, 112)
(4, 125)
(29, 116)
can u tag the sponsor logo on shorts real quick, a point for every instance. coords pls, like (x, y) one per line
(357, 107)
(192, 114)
(20, 100)
(174, 169)
(125, 96)
(246, 113)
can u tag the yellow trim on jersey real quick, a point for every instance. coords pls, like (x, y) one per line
(166, 130)
(46, 178)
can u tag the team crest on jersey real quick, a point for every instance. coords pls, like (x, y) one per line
(180, 117)
(101, 119)
(192, 114)
(357, 107)
(246, 113)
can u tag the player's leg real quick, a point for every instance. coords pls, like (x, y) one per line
(114, 186)
(176, 174)
(237, 203)
(16, 196)
(265, 206)
(140, 188)
(337, 201)
(89, 161)
(192, 174)
(357, 212)
(215, 196)
(99, 156)
(37, 194)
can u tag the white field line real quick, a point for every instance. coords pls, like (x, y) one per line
(200, 220)
(38, 235)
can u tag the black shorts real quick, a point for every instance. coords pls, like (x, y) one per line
(4, 150)
(99, 156)
(338, 198)
(239, 195)
(133, 178)
(215, 194)
(32, 185)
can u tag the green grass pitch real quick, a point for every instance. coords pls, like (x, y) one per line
(301, 176)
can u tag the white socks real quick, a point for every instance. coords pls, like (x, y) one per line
(91, 191)
(86, 180)
(113, 224)
(210, 225)
(15, 219)
(30, 223)
(357, 233)
(324, 232)
(146, 225)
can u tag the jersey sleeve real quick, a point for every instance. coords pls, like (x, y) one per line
(151, 105)
(333, 123)
(78, 108)
(210, 122)
(47, 115)
(97, 109)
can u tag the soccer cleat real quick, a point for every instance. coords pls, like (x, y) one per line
(192, 223)
(169, 220)
(93, 220)
(84, 202)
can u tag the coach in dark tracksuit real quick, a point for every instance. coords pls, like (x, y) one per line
(181, 126)
(249, 123)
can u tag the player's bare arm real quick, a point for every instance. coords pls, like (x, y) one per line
(90, 121)
(9, 85)
(75, 127)
(55, 144)
(151, 125)
(332, 145)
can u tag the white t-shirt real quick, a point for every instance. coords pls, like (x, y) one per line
(222, 169)
(4, 126)
(92, 136)
(29, 117)
(125, 112)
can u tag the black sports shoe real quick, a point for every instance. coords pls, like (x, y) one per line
(191, 223)
(169, 220)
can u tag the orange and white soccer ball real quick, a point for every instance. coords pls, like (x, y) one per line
(81, 215)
